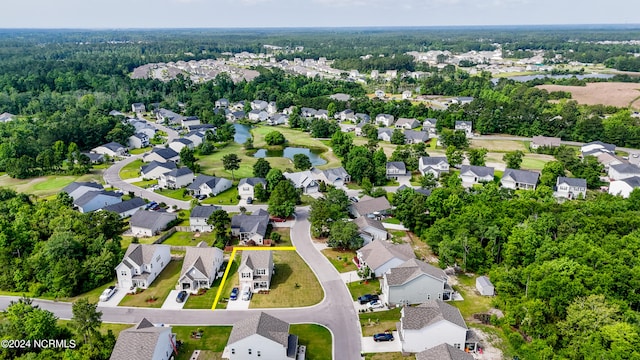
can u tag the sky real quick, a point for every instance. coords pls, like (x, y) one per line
(112, 14)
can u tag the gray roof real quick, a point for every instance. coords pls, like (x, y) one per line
(398, 165)
(90, 195)
(412, 269)
(369, 206)
(165, 153)
(484, 281)
(211, 181)
(443, 351)
(140, 254)
(330, 175)
(363, 222)
(384, 116)
(155, 164)
(125, 206)
(94, 157)
(6, 116)
(254, 223)
(340, 97)
(113, 146)
(577, 182)
(253, 181)
(201, 257)
(377, 253)
(75, 185)
(183, 141)
(201, 211)
(151, 219)
(609, 147)
(522, 176)
(430, 121)
(480, 171)
(463, 123)
(138, 342)
(262, 324)
(179, 172)
(633, 181)
(416, 135)
(433, 160)
(385, 130)
(430, 312)
(626, 168)
(364, 117)
(412, 122)
(201, 127)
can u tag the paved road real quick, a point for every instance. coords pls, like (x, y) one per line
(336, 311)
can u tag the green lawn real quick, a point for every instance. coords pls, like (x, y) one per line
(94, 295)
(212, 164)
(178, 194)
(473, 302)
(379, 321)
(160, 288)
(45, 186)
(145, 183)
(229, 197)
(53, 183)
(214, 339)
(316, 338)
(342, 260)
(204, 301)
(131, 170)
(306, 200)
(183, 238)
(126, 240)
(392, 220)
(285, 236)
(139, 151)
(531, 163)
(386, 356)
(362, 287)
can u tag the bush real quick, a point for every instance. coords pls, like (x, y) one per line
(276, 237)
(274, 138)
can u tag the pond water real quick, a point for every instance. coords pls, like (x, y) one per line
(289, 152)
(243, 132)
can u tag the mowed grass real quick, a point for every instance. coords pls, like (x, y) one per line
(183, 238)
(44, 186)
(499, 145)
(131, 170)
(285, 236)
(178, 194)
(94, 295)
(204, 301)
(362, 287)
(535, 161)
(228, 197)
(379, 321)
(212, 164)
(342, 260)
(145, 183)
(230, 283)
(160, 288)
(139, 151)
(473, 302)
(293, 284)
(214, 339)
(316, 338)
(387, 356)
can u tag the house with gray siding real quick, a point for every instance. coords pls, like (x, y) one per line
(414, 282)
(94, 200)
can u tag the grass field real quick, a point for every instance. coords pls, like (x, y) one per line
(212, 164)
(178, 194)
(94, 295)
(46, 185)
(379, 321)
(341, 260)
(214, 339)
(316, 338)
(499, 145)
(473, 302)
(126, 240)
(606, 93)
(535, 161)
(160, 288)
(182, 238)
(131, 170)
(229, 197)
(387, 356)
(145, 183)
(362, 287)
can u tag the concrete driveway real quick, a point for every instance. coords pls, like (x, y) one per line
(171, 303)
(370, 346)
(115, 298)
(238, 304)
(350, 276)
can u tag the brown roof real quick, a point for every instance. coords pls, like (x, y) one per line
(430, 312)
(412, 269)
(546, 141)
(369, 206)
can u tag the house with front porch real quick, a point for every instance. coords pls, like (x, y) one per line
(396, 169)
(154, 169)
(304, 180)
(209, 185)
(519, 179)
(408, 124)
(141, 264)
(251, 229)
(200, 267)
(571, 188)
(255, 270)
(414, 282)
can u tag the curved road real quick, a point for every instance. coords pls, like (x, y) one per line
(335, 311)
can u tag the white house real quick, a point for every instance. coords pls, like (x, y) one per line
(623, 171)
(138, 108)
(209, 185)
(111, 149)
(200, 267)
(178, 144)
(434, 165)
(222, 103)
(379, 94)
(168, 116)
(278, 119)
(431, 324)
(415, 137)
(94, 200)
(258, 115)
(429, 125)
(406, 95)
(384, 119)
(337, 177)
(188, 121)
(384, 134)
(196, 137)
(149, 223)
(396, 169)
(444, 352)
(484, 286)
(380, 256)
(304, 180)
(259, 105)
(77, 189)
(251, 229)
(176, 179)
(141, 264)
(624, 187)
(154, 169)
(519, 179)
(414, 282)
(607, 159)
(255, 270)
(126, 208)
(370, 229)
(571, 188)
(199, 216)
(145, 341)
(261, 336)
(596, 148)
(272, 107)
(408, 124)
(471, 175)
(246, 187)
(161, 155)
(138, 140)
(466, 126)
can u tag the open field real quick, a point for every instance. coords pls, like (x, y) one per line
(160, 288)
(606, 93)
(499, 145)
(379, 321)
(44, 186)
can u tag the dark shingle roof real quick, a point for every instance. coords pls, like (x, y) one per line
(399, 165)
(480, 171)
(522, 176)
(113, 146)
(149, 219)
(252, 181)
(626, 168)
(633, 181)
(433, 160)
(262, 324)
(430, 312)
(90, 195)
(75, 185)
(369, 206)
(154, 164)
(254, 223)
(179, 172)
(165, 153)
(572, 181)
(364, 221)
(443, 351)
(125, 205)
(201, 211)
(412, 269)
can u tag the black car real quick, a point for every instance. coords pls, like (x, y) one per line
(383, 337)
(249, 200)
(182, 295)
(367, 298)
(234, 294)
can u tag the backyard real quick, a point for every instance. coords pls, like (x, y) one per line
(184, 238)
(213, 341)
(362, 287)
(158, 290)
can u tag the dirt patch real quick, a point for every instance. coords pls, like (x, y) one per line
(499, 145)
(605, 93)
(489, 346)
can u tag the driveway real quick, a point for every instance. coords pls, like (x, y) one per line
(350, 276)
(238, 304)
(115, 299)
(370, 346)
(171, 303)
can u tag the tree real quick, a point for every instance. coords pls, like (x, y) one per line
(454, 156)
(274, 176)
(274, 138)
(324, 211)
(231, 162)
(207, 148)
(477, 156)
(248, 145)
(301, 162)
(513, 159)
(427, 181)
(260, 192)
(331, 109)
(456, 138)
(323, 129)
(86, 319)
(220, 221)
(188, 158)
(283, 199)
(370, 132)
(341, 143)
(261, 168)
(550, 173)
(345, 235)
(397, 137)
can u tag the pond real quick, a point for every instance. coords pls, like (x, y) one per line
(243, 132)
(289, 152)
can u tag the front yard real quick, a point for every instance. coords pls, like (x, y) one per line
(178, 194)
(342, 260)
(229, 197)
(362, 287)
(159, 289)
(131, 170)
(379, 321)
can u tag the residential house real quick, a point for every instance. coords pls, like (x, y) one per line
(308, 112)
(544, 141)
(396, 169)
(255, 270)
(346, 115)
(145, 341)
(415, 137)
(278, 119)
(358, 128)
(246, 187)
(154, 169)
(201, 127)
(385, 134)
(209, 185)
(471, 174)
(178, 144)
(429, 125)
(624, 187)
(251, 229)
(466, 126)
(94, 200)
(6, 117)
(138, 140)
(196, 137)
(368, 206)
(406, 95)
(138, 108)
(141, 264)
(414, 282)
(607, 159)
(363, 117)
(259, 105)
(111, 149)
(162, 155)
(430, 324)
(444, 352)
(322, 114)
(340, 96)
(261, 335)
(176, 179)
(143, 127)
(408, 124)
(272, 107)
(189, 121)
(380, 256)
(95, 158)
(384, 119)
(337, 177)
(126, 208)
(484, 286)
(623, 171)
(199, 216)
(596, 148)
(370, 229)
(304, 180)
(571, 188)
(434, 165)
(519, 179)
(222, 103)
(150, 223)
(425, 192)
(462, 100)
(379, 94)
(168, 117)
(258, 115)
(236, 115)
(77, 189)
(200, 267)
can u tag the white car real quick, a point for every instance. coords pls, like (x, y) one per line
(375, 304)
(246, 293)
(107, 293)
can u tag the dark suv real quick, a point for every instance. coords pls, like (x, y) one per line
(367, 298)
(182, 295)
(383, 337)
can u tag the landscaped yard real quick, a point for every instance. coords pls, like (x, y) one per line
(126, 240)
(183, 238)
(229, 197)
(212, 164)
(392, 220)
(159, 289)
(131, 170)
(214, 339)
(342, 260)
(362, 287)
(285, 236)
(178, 194)
(316, 338)
(379, 321)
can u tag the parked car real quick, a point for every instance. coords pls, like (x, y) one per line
(367, 298)
(249, 200)
(353, 199)
(375, 304)
(246, 293)
(182, 295)
(107, 293)
(278, 219)
(383, 337)
(234, 294)
(150, 205)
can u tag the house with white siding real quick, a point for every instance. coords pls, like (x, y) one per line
(199, 216)
(145, 341)
(396, 169)
(337, 177)
(414, 282)
(623, 171)
(444, 352)
(141, 264)
(261, 336)
(368, 206)
(380, 256)
(255, 270)
(200, 267)
(466, 126)
(209, 185)
(571, 188)
(624, 187)
(154, 169)
(138, 140)
(149, 223)
(188, 121)
(385, 120)
(78, 188)
(429, 126)
(178, 144)
(471, 174)
(94, 200)
(384, 134)
(110, 149)
(304, 180)
(250, 229)
(370, 229)
(405, 123)
(162, 155)
(246, 187)
(415, 137)
(176, 179)
(434, 165)
(596, 148)
(126, 208)
(430, 324)
(519, 179)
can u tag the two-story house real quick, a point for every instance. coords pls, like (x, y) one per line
(381, 255)
(138, 140)
(138, 108)
(176, 179)
(145, 341)
(385, 120)
(199, 216)
(519, 179)
(154, 169)
(178, 144)
(466, 126)
(396, 169)
(430, 324)
(141, 264)
(414, 282)
(408, 124)
(161, 155)
(435, 165)
(384, 134)
(429, 126)
(209, 185)
(200, 267)
(261, 336)
(251, 229)
(246, 187)
(471, 174)
(255, 270)
(571, 188)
